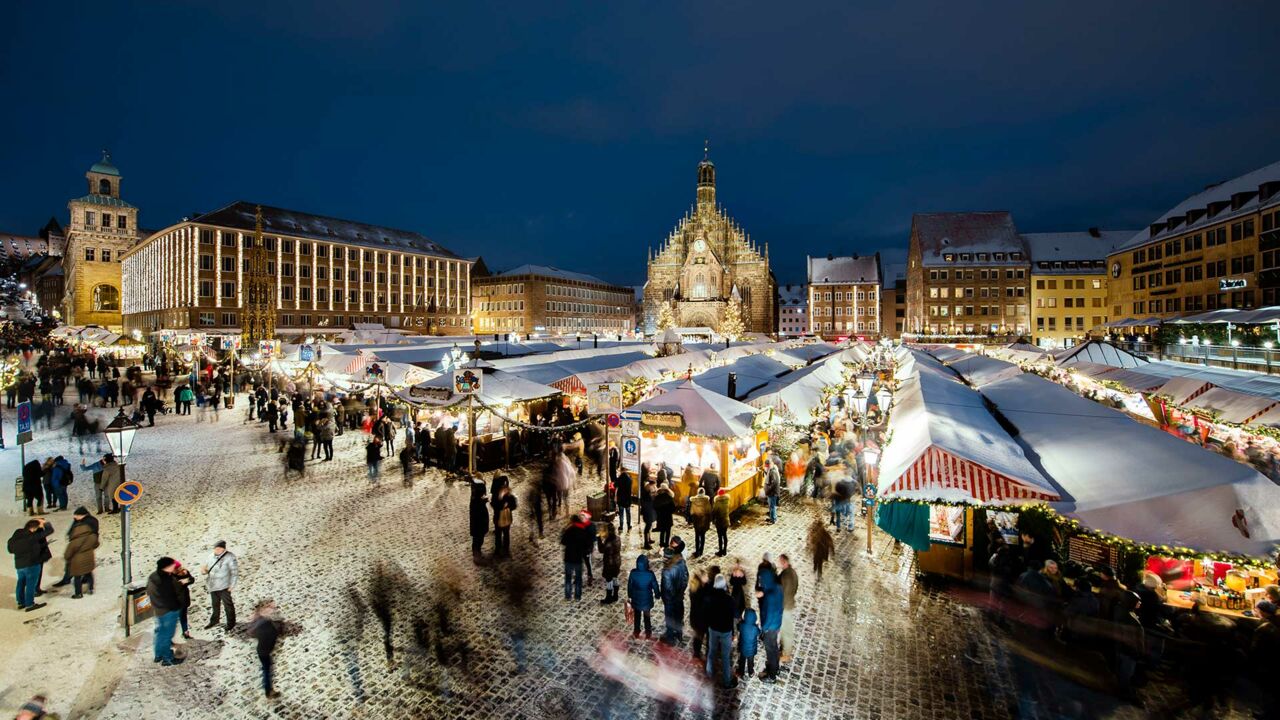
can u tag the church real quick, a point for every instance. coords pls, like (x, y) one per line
(705, 263)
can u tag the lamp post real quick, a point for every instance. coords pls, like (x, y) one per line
(120, 434)
(860, 404)
(870, 460)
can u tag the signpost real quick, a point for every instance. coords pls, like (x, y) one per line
(127, 493)
(468, 381)
(24, 422)
(631, 453)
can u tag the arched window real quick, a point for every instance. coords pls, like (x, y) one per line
(104, 186)
(106, 298)
(699, 286)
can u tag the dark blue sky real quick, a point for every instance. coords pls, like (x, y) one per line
(569, 134)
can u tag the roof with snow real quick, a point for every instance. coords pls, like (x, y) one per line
(844, 270)
(705, 413)
(894, 274)
(967, 233)
(793, 295)
(240, 215)
(552, 272)
(1226, 200)
(1073, 252)
(1098, 351)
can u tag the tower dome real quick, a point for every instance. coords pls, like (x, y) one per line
(104, 166)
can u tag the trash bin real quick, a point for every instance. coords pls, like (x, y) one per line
(598, 505)
(139, 605)
(229, 401)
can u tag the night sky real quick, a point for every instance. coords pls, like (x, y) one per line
(569, 135)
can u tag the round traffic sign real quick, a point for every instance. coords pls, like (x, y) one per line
(128, 492)
(630, 446)
(613, 420)
(24, 413)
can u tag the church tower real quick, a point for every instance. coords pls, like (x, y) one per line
(706, 181)
(102, 227)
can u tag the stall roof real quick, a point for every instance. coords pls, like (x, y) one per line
(752, 372)
(1097, 371)
(706, 413)
(947, 446)
(649, 368)
(799, 391)
(1100, 352)
(1231, 406)
(979, 370)
(496, 388)
(1182, 389)
(565, 369)
(805, 354)
(945, 353)
(1124, 478)
(1134, 380)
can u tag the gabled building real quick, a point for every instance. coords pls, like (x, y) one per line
(1069, 283)
(968, 273)
(793, 310)
(1218, 248)
(844, 295)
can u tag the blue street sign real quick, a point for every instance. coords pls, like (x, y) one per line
(24, 422)
(128, 492)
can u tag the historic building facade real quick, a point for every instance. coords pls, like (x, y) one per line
(536, 299)
(793, 311)
(1219, 248)
(328, 275)
(1069, 284)
(844, 296)
(893, 301)
(102, 229)
(701, 264)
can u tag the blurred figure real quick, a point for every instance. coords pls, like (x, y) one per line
(265, 628)
(748, 643)
(373, 458)
(611, 563)
(479, 518)
(720, 517)
(504, 512)
(622, 498)
(700, 518)
(720, 626)
(647, 512)
(162, 591)
(790, 583)
(664, 507)
(772, 486)
(577, 539)
(770, 596)
(821, 546)
(642, 592)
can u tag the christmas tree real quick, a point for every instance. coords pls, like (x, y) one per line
(665, 317)
(731, 326)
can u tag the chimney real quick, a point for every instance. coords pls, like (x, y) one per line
(830, 256)
(1095, 232)
(733, 385)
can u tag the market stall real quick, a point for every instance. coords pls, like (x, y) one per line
(800, 395)
(693, 426)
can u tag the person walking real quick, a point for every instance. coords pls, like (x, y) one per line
(770, 596)
(479, 519)
(373, 458)
(822, 546)
(534, 499)
(79, 516)
(700, 518)
(611, 563)
(504, 512)
(60, 477)
(790, 583)
(647, 512)
(577, 540)
(720, 517)
(162, 591)
(642, 592)
(107, 476)
(29, 546)
(221, 575)
(184, 399)
(33, 488)
(406, 466)
(265, 628)
(622, 498)
(79, 555)
(720, 622)
(675, 581)
(772, 486)
(664, 507)
(149, 404)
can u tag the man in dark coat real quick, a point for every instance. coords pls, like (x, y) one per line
(149, 405)
(162, 591)
(479, 518)
(622, 497)
(710, 481)
(33, 488)
(265, 628)
(675, 581)
(642, 591)
(700, 518)
(578, 540)
(504, 513)
(720, 619)
(29, 545)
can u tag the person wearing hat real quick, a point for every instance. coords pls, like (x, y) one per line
(675, 581)
(162, 591)
(107, 476)
(221, 579)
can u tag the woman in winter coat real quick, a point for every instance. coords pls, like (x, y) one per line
(611, 550)
(647, 513)
(182, 581)
(622, 497)
(642, 591)
(664, 506)
(33, 488)
(479, 518)
(80, 557)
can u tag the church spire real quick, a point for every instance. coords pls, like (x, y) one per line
(706, 180)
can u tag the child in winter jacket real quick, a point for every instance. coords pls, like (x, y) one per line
(748, 642)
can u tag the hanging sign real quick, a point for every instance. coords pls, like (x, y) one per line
(430, 393)
(604, 398)
(1233, 283)
(467, 381)
(671, 421)
(306, 353)
(631, 453)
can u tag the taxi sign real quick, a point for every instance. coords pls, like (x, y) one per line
(128, 492)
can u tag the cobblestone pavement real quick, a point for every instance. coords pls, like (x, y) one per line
(874, 642)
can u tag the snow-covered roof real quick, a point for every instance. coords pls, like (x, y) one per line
(670, 336)
(496, 388)
(1075, 253)
(967, 232)
(705, 413)
(1194, 212)
(650, 368)
(844, 270)
(555, 367)
(1181, 389)
(1232, 406)
(945, 424)
(1124, 478)
(799, 391)
(980, 370)
(277, 221)
(1097, 351)
(752, 371)
(793, 295)
(553, 272)
(804, 354)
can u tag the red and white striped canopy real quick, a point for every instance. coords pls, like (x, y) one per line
(939, 473)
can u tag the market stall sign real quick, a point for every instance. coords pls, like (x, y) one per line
(430, 393)
(1087, 551)
(466, 381)
(604, 398)
(669, 421)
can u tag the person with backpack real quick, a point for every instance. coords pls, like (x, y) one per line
(748, 643)
(60, 477)
(504, 511)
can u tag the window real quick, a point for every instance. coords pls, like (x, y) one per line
(1039, 284)
(304, 249)
(104, 186)
(286, 246)
(206, 262)
(304, 294)
(286, 292)
(206, 237)
(286, 269)
(106, 255)
(106, 298)
(228, 289)
(228, 319)
(228, 239)
(304, 271)
(90, 217)
(122, 222)
(89, 254)
(206, 319)
(206, 288)
(1097, 284)
(228, 263)
(106, 220)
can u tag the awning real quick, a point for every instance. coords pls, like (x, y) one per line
(703, 413)
(1181, 390)
(1231, 406)
(979, 370)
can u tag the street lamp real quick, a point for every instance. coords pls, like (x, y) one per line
(884, 397)
(120, 434)
(865, 381)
